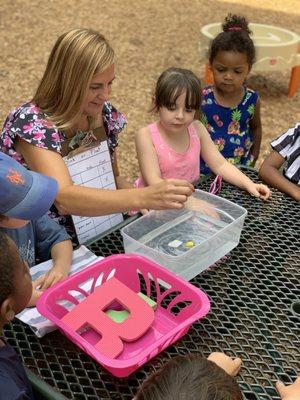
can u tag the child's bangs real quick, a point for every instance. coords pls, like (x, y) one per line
(192, 100)
(193, 97)
(173, 83)
(171, 95)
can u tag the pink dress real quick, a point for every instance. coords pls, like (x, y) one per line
(173, 164)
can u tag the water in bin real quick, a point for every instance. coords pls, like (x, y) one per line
(185, 233)
(189, 240)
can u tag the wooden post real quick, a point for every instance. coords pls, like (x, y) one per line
(208, 78)
(294, 81)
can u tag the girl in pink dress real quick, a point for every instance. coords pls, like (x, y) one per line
(171, 146)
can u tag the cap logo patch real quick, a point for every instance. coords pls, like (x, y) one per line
(15, 177)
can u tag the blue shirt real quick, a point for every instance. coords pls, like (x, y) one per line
(14, 383)
(36, 239)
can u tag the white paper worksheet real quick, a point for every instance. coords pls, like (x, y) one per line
(93, 168)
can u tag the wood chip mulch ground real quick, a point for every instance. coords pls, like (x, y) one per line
(148, 37)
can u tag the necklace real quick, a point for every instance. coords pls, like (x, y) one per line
(82, 138)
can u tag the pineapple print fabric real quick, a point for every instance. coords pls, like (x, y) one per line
(229, 128)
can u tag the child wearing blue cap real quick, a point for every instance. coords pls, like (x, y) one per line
(25, 197)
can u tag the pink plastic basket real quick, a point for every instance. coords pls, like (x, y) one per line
(179, 304)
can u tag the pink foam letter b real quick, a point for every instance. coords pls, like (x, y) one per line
(91, 312)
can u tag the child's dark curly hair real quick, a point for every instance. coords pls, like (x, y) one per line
(7, 268)
(190, 377)
(235, 37)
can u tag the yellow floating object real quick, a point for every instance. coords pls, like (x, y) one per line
(190, 244)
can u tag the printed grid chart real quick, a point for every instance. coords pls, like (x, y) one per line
(93, 168)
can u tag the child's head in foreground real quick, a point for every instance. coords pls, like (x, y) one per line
(190, 377)
(15, 280)
(24, 195)
(174, 82)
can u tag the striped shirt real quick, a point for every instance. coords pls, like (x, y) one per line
(288, 146)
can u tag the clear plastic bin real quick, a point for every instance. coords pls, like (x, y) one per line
(190, 240)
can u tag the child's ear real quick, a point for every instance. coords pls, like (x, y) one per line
(6, 311)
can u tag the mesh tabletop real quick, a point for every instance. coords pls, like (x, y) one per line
(255, 314)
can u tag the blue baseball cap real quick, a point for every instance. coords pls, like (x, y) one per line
(24, 194)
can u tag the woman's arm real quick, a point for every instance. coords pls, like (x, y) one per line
(269, 172)
(122, 182)
(256, 128)
(147, 157)
(85, 201)
(220, 166)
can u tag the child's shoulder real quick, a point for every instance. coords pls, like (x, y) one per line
(13, 380)
(208, 98)
(207, 90)
(147, 130)
(46, 224)
(250, 92)
(250, 97)
(288, 138)
(7, 352)
(199, 127)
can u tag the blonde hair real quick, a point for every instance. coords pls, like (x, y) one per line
(76, 57)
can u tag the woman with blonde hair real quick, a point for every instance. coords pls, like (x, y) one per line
(72, 102)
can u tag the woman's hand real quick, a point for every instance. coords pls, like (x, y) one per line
(290, 392)
(229, 365)
(259, 190)
(170, 193)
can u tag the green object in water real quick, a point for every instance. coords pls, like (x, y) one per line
(119, 316)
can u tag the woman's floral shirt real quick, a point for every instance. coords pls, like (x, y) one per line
(30, 123)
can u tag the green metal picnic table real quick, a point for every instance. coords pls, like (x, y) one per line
(255, 314)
